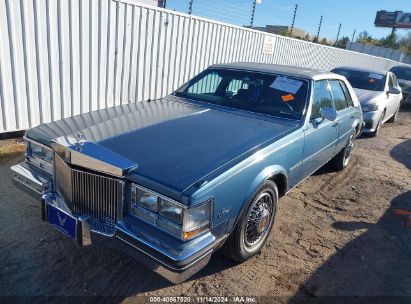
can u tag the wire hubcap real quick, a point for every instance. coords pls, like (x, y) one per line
(258, 221)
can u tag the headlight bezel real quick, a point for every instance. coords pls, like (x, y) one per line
(369, 107)
(45, 164)
(159, 218)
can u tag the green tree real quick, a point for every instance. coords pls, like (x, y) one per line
(342, 43)
(324, 41)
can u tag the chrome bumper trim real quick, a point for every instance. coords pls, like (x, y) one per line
(29, 179)
(174, 270)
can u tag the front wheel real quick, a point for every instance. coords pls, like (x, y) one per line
(379, 124)
(341, 160)
(254, 226)
(394, 117)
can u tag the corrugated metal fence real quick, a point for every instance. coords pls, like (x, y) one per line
(59, 58)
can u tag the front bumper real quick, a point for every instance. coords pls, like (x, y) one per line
(371, 121)
(176, 261)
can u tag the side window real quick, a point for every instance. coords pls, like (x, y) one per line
(390, 81)
(394, 80)
(338, 94)
(234, 86)
(207, 85)
(346, 94)
(321, 99)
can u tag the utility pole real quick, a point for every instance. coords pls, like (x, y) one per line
(190, 7)
(252, 14)
(353, 36)
(292, 24)
(319, 28)
(338, 35)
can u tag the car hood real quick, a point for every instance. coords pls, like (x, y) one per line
(365, 96)
(166, 145)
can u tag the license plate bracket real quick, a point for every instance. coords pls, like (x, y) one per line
(62, 221)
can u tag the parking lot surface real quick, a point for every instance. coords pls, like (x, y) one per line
(335, 234)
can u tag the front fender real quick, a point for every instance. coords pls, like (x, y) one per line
(265, 174)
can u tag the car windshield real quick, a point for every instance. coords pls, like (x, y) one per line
(402, 73)
(270, 94)
(363, 80)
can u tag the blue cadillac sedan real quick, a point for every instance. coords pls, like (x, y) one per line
(172, 180)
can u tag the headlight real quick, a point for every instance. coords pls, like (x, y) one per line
(171, 211)
(39, 155)
(369, 107)
(39, 151)
(196, 219)
(144, 198)
(186, 223)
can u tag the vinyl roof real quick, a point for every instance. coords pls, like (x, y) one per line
(278, 69)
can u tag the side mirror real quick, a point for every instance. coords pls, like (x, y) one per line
(394, 91)
(328, 113)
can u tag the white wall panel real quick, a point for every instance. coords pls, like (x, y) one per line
(60, 58)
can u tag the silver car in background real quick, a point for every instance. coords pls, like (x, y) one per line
(403, 74)
(379, 94)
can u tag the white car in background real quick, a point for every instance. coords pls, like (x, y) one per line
(379, 93)
(403, 74)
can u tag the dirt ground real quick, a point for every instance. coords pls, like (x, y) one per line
(335, 234)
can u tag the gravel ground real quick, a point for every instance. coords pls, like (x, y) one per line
(335, 234)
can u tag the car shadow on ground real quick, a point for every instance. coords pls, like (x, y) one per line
(402, 153)
(365, 266)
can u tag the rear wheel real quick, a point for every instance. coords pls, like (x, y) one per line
(254, 226)
(341, 160)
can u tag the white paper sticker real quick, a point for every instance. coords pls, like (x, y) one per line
(376, 76)
(268, 45)
(286, 84)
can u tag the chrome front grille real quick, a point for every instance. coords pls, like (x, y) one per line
(89, 194)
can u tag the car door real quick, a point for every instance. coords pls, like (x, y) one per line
(397, 85)
(392, 99)
(320, 134)
(345, 112)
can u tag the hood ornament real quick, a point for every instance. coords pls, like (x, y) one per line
(79, 136)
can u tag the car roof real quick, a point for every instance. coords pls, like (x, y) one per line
(360, 69)
(400, 67)
(287, 70)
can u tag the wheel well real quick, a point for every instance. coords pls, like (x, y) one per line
(281, 181)
(357, 129)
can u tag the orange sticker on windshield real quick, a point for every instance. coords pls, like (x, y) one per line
(371, 80)
(287, 98)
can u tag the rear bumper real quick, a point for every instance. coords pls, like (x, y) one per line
(174, 262)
